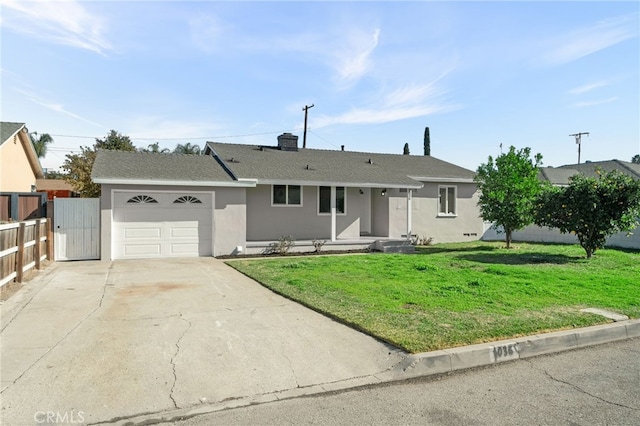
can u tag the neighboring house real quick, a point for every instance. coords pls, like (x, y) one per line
(55, 188)
(239, 198)
(560, 176)
(19, 164)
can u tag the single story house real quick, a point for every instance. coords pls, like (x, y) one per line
(560, 176)
(241, 198)
(19, 164)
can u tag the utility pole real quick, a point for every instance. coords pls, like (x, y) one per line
(306, 112)
(578, 137)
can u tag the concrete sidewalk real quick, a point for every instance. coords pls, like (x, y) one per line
(146, 341)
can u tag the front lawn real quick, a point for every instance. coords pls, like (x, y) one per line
(450, 295)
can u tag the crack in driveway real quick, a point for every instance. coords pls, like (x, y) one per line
(173, 359)
(104, 290)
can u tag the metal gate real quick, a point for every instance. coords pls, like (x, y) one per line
(76, 226)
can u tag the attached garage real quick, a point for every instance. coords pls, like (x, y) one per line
(148, 224)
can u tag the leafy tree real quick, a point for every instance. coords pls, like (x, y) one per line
(593, 208)
(187, 148)
(54, 174)
(636, 159)
(78, 166)
(509, 186)
(115, 141)
(40, 143)
(155, 148)
(405, 151)
(427, 142)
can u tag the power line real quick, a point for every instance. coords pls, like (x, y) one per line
(180, 138)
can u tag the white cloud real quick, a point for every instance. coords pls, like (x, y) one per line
(585, 41)
(403, 103)
(594, 103)
(62, 22)
(152, 128)
(353, 60)
(54, 106)
(587, 87)
(206, 33)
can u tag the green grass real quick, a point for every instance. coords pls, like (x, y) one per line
(450, 295)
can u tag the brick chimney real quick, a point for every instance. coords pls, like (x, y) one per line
(288, 142)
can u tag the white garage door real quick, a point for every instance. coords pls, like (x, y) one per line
(161, 224)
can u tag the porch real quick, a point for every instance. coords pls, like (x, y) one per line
(371, 243)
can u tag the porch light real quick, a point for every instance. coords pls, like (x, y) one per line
(384, 192)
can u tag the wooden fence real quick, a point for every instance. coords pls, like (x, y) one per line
(23, 246)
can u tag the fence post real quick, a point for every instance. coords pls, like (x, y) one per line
(20, 254)
(38, 248)
(50, 229)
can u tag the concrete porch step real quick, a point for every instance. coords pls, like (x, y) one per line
(394, 246)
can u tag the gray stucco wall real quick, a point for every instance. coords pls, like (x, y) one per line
(467, 225)
(229, 219)
(266, 222)
(229, 215)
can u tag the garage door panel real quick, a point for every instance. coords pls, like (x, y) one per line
(142, 250)
(141, 232)
(178, 249)
(162, 229)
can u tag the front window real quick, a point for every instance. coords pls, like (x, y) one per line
(324, 200)
(447, 201)
(287, 195)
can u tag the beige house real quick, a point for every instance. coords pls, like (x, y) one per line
(19, 164)
(241, 198)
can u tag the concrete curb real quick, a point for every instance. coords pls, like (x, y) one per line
(423, 365)
(444, 361)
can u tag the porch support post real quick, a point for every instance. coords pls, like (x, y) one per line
(333, 213)
(409, 218)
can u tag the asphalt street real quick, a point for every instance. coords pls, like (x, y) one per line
(599, 385)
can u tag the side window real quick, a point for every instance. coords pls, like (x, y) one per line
(447, 201)
(286, 195)
(324, 200)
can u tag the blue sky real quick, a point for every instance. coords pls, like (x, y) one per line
(478, 74)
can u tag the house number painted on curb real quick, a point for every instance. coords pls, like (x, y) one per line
(505, 352)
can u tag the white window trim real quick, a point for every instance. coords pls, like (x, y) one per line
(455, 200)
(287, 196)
(329, 212)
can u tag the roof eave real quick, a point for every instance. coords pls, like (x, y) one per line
(123, 181)
(442, 179)
(417, 185)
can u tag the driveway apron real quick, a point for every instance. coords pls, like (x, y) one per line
(102, 341)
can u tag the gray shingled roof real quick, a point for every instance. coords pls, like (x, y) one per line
(8, 129)
(348, 167)
(132, 165)
(560, 175)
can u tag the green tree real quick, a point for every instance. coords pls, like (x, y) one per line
(115, 141)
(155, 148)
(636, 159)
(405, 150)
(593, 208)
(40, 143)
(187, 148)
(427, 142)
(78, 166)
(508, 189)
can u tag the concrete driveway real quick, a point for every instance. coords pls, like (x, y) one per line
(106, 341)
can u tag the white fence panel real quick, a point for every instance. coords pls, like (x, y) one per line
(76, 228)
